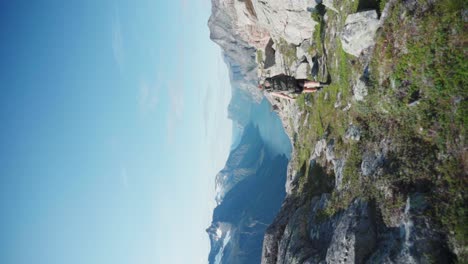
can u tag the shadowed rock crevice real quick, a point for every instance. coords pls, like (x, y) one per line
(269, 55)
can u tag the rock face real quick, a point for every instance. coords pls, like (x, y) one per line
(242, 27)
(359, 31)
(301, 233)
(354, 236)
(229, 26)
(289, 20)
(371, 162)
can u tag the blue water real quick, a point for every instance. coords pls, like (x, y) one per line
(271, 128)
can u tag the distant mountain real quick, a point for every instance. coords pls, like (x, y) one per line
(242, 162)
(250, 191)
(240, 107)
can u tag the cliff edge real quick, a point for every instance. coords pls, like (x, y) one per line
(378, 169)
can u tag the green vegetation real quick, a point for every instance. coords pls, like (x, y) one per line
(288, 51)
(317, 15)
(420, 76)
(416, 105)
(382, 4)
(259, 57)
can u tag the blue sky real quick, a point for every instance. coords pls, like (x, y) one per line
(114, 125)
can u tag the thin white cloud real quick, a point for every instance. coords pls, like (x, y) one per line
(206, 109)
(148, 97)
(117, 40)
(176, 109)
(176, 96)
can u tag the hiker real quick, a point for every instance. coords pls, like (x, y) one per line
(282, 86)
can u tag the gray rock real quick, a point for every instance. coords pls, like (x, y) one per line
(338, 100)
(286, 239)
(353, 133)
(302, 70)
(338, 166)
(239, 55)
(319, 148)
(354, 237)
(347, 107)
(288, 20)
(359, 90)
(329, 152)
(329, 5)
(302, 52)
(320, 232)
(359, 31)
(371, 162)
(415, 103)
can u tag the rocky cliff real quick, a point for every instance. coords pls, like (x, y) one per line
(244, 28)
(378, 169)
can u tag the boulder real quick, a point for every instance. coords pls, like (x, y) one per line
(319, 148)
(359, 31)
(286, 20)
(371, 162)
(302, 51)
(353, 133)
(302, 70)
(359, 90)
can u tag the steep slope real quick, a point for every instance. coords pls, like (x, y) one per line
(378, 172)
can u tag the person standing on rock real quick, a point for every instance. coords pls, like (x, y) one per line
(283, 86)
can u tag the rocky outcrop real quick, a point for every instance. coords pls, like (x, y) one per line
(371, 162)
(359, 90)
(354, 236)
(303, 233)
(229, 25)
(243, 27)
(353, 133)
(286, 241)
(300, 233)
(288, 20)
(324, 217)
(359, 31)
